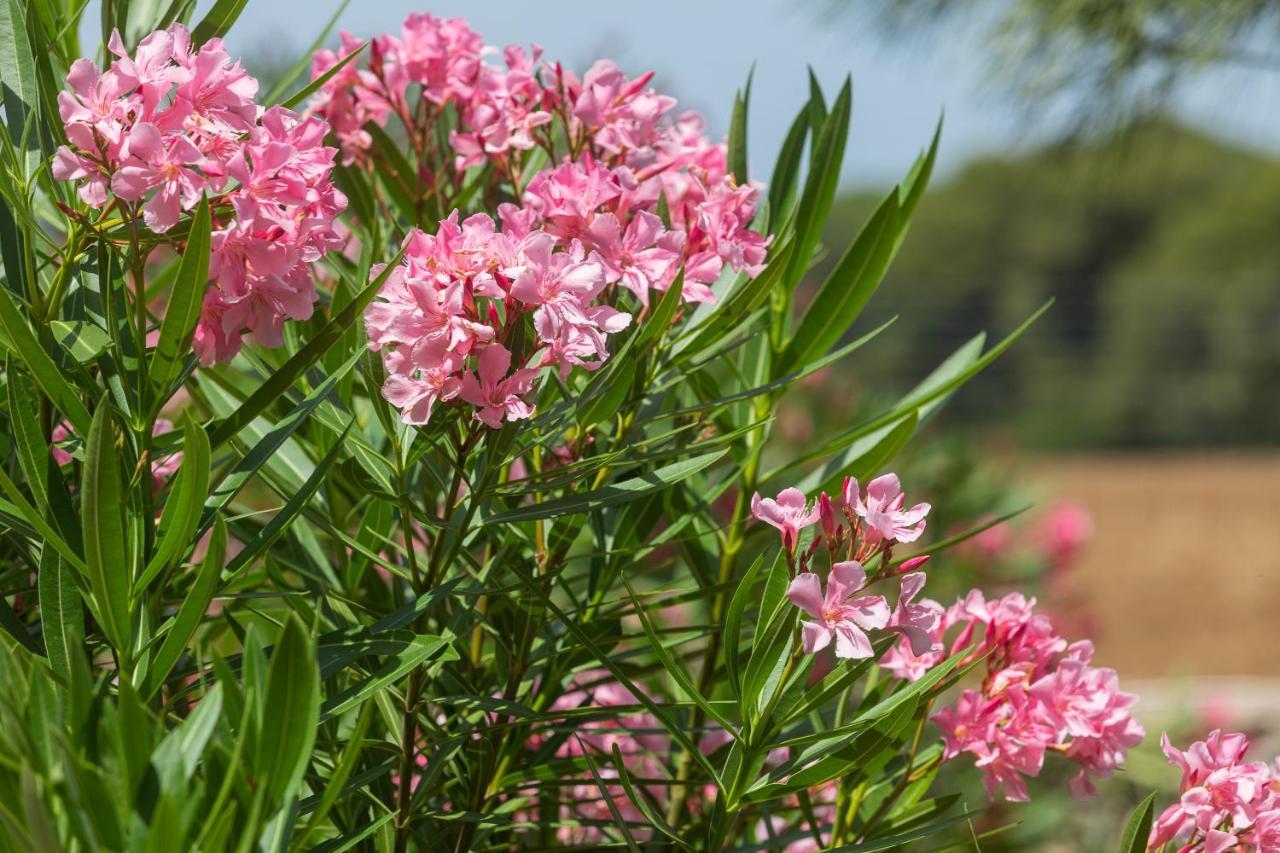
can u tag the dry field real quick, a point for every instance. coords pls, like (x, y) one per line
(1184, 567)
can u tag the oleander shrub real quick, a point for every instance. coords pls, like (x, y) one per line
(389, 464)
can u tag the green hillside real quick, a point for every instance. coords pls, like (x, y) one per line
(1161, 247)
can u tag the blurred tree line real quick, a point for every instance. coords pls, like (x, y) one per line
(1159, 245)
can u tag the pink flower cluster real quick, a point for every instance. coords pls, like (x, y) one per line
(161, 128)
(621, 150)
(876, 521)
(447, 314)
(1039, 694)
(1225, 802)
(640, 741)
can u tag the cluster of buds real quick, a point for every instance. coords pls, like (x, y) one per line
(861, 526)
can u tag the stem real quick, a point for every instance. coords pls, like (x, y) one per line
(408, 750)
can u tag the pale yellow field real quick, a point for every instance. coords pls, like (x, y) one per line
(1184, 567)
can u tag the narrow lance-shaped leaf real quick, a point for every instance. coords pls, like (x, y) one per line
(820, 185)
(1138, 829)
(182, 510)
(616, 493)
(183, 625)
(46, 373)
(61, 612)
(738, 132)
(845, 292)
(178, 327)
(291, 709)
(218, 20)
(18, 75)
(105, 549)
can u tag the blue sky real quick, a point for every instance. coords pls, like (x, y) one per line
(702, 50)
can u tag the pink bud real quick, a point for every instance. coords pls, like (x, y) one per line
(827, 515)
(912, 564)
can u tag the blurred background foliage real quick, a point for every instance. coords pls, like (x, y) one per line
(1158, 244)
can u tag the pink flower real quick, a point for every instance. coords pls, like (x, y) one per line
(568, 197)
(563, 286)
(151, 70)
(1224, 799)
(217, 91)
(151, 163)
(881, 510)
(642, 258)
(61, 433)
(496, 394)
(790, 513)
(1064, 531)
(916, 622)
(417, 393)
(837, 614)
(620, 114)
(638, 738)
(163, 468)
(1039, 693)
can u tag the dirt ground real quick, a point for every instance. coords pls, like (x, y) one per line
(1184, 566)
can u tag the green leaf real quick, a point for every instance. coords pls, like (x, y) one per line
(290, 511)
(898, 841)
(304, 60)
(616, 493)
(742, 596)
(291, 710)
(1138, 829)
(738, 133)
(603, 405)
(782, 181)
(641, 802)
(351, 754)
(34, 517)
(422, 649)
(864, 457)
(618, 819)
(47, 375)
(664, 311)
(182, 627)
(820, 185)
(181, 516)
(845, 292)
(105, 550)
(269, 444)
(933, 388)
(61, 612)
(84, 341)
(18, 78)
(278, 383)
(178, 326)
(182, 751)
(218, 20)
(44, 477)
(314, 86)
